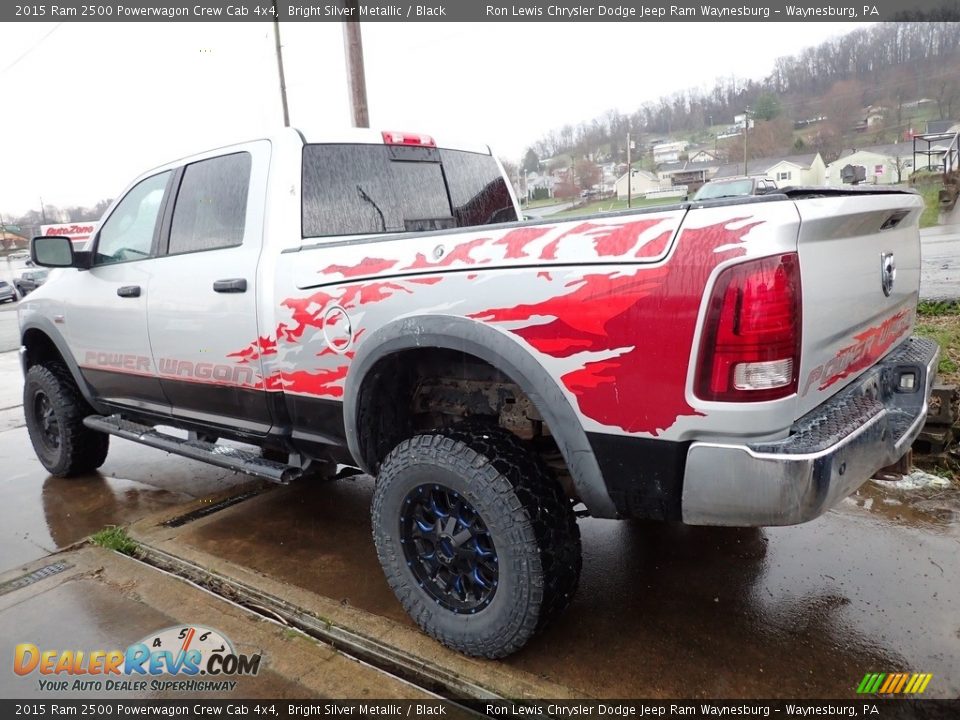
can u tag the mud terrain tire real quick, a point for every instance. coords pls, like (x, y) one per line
(54, 410)
(515, 508)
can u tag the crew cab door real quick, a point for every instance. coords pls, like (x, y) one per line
(105, 312)
(202, 307)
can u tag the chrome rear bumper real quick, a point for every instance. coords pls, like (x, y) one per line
(829, 453)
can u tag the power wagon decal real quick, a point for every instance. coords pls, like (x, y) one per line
(171, 368)
(868, 347)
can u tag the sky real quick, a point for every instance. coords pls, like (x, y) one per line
(89, 106)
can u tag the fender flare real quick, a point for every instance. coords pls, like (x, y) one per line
(507, 355)
(44, 325)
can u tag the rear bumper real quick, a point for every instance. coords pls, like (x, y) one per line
(830, 452)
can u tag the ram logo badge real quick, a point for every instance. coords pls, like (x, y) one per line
(888, 272)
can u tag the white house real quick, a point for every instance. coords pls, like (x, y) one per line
(882, 164)
(791, 170)
(741, 120)
(543, 183)
(704, 156)
(641, 182)
(668, 152)
(690, 174)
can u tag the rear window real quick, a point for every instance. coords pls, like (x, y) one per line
(370, 189)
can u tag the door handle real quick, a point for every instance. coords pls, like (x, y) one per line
(129, 291)
(233, 285)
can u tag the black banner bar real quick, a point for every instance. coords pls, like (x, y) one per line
(481, 11)
(867, 707)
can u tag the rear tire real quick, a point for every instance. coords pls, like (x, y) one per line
(476, 538)
(55, 409)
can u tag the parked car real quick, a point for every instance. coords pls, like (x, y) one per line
(357, 298)
(735, 187)
(7, 292)
(30, 281)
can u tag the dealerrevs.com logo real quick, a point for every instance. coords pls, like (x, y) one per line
(190, 658)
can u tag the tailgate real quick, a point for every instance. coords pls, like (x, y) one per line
(849, 247)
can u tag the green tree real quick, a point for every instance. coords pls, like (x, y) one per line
(767, 107)
(531, 161)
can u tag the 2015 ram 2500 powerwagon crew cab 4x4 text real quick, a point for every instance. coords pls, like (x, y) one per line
(370, 300)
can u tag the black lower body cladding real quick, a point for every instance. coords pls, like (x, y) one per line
(643, 476)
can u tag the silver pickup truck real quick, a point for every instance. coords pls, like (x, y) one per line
(370, 301)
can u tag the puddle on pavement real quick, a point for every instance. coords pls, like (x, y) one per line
(41, 513)
(663, 608)
(936, 509)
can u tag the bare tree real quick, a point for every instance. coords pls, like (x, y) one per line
(947, 94)
(588, 173)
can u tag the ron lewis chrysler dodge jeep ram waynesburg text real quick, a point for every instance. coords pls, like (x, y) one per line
(370, 300)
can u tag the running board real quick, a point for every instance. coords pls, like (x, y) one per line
(223, 456)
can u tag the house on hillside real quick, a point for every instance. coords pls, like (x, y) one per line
(689, 174)
(882, 164)
(704, 156)
(873, 117)
(539, 187)
(641, 182)
(668, 152)
(789, 170)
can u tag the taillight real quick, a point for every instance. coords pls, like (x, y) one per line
(750, 347)
(402, 138)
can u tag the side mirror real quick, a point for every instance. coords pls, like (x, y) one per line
(55, 251)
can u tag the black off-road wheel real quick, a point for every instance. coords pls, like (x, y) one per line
(55, 409)
(476, 538)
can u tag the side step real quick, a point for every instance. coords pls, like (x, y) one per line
(220, 455)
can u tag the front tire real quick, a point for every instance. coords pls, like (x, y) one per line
(54, 410)
(476, 538)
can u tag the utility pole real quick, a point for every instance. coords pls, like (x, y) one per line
(43, 213)
(746, 128)
(283, 82)
(629, 175)
(353, 47)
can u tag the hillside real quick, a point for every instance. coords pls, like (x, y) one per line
(894, 75)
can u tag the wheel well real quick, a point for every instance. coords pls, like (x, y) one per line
(40, 348)
(420, 389)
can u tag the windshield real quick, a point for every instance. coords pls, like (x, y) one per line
(736, 188)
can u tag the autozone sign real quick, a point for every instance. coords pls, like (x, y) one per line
(78, 233)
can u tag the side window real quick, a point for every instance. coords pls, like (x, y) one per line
(128, 232)
(478, 192)
(211, 206)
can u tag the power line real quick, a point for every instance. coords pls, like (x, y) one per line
(31, 48)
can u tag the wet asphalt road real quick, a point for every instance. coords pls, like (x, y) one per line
(668, 610)
(662, 610)
(40, 514)
(9, 333)
(940, 273)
